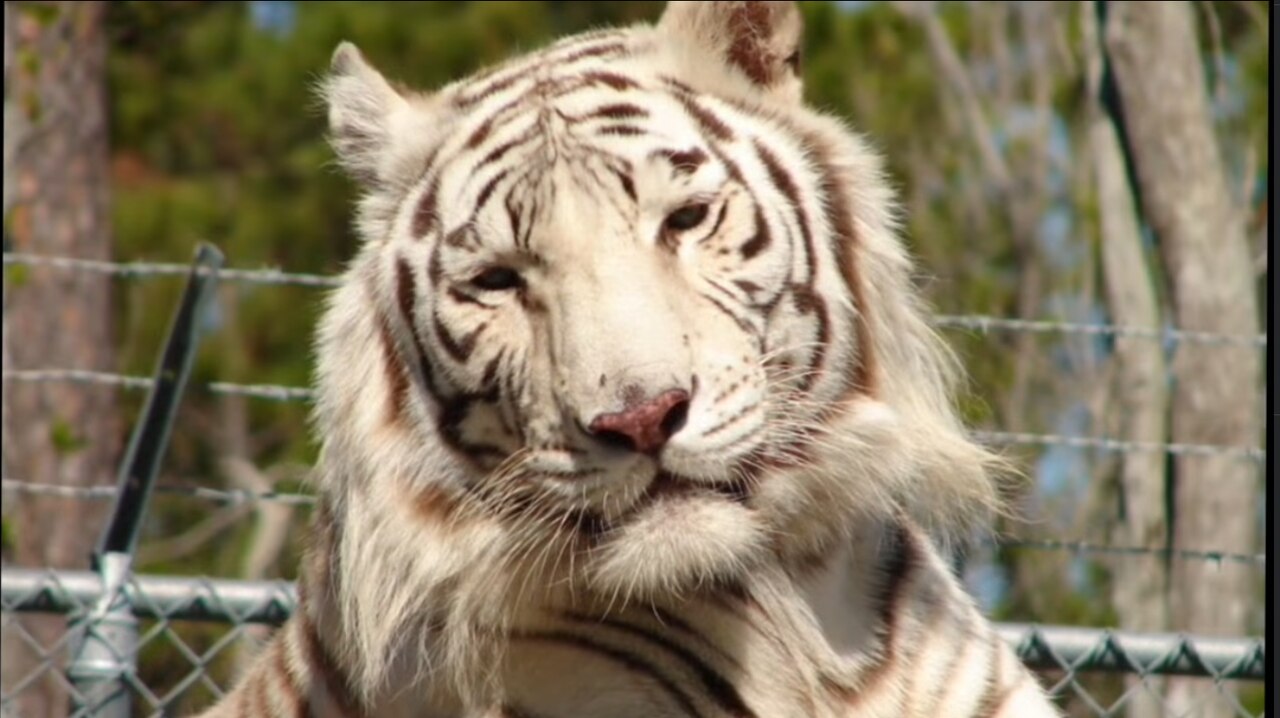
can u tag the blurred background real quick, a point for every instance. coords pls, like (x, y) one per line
(1090, 225)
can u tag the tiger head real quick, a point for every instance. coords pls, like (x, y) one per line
(627, 304)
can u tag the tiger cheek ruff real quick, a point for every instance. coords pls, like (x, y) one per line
(628, 406)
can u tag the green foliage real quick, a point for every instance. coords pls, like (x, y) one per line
(16, 275)
(64, 438)
(44, 13)
(6, 536)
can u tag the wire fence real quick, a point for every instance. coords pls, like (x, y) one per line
(177, 613)
(976, 322)
(197, 633)
(240, 496)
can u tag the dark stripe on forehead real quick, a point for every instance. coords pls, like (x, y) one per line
(477, 95)
(683, 161)
(621, 130)
(678, 85)
(618, 111)
(612, 49)
(487, 191)
(612, 79)
(497, 153)
(706, 119)
(558, 57)
(520, 227)
(492, 119)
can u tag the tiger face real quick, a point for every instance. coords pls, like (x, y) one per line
(616, 292)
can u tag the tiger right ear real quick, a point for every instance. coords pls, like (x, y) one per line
(760, 40)
(363, 108)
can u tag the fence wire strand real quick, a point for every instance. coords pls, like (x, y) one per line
(237, 496)
(975, 322)
(272, 392)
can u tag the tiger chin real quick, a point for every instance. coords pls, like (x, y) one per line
(628, 406)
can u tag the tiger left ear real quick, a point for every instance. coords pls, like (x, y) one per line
(760, 40)
(363, 111)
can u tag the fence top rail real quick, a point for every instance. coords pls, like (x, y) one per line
(974, 322)
(1074, 649)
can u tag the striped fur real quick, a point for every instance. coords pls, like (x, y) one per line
(628, 226)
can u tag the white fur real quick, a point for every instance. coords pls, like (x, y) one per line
(439, 564)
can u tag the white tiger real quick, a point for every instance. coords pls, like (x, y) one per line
(628, 407)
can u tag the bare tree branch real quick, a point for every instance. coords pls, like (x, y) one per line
(1201, 236)
(193, 539)
(1141, 387)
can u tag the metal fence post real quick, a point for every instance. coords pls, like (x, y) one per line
(106, 636)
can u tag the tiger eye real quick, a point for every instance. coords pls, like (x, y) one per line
(497, 279)
(687, 217)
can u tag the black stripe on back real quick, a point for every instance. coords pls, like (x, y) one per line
(899, 557)
(993, 696)
(723, 692)
(335, 681)
(632, 663)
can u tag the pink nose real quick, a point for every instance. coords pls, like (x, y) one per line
(644, 427)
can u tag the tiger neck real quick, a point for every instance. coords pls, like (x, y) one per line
(462, 613)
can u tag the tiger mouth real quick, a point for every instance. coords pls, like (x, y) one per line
(666, 483)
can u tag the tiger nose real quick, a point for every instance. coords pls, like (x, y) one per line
(644, 427)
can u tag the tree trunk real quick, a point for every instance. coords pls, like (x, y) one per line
(56, 434)
(1201, 237)
(1140, 593)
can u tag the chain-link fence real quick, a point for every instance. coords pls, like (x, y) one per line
(194, 633)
